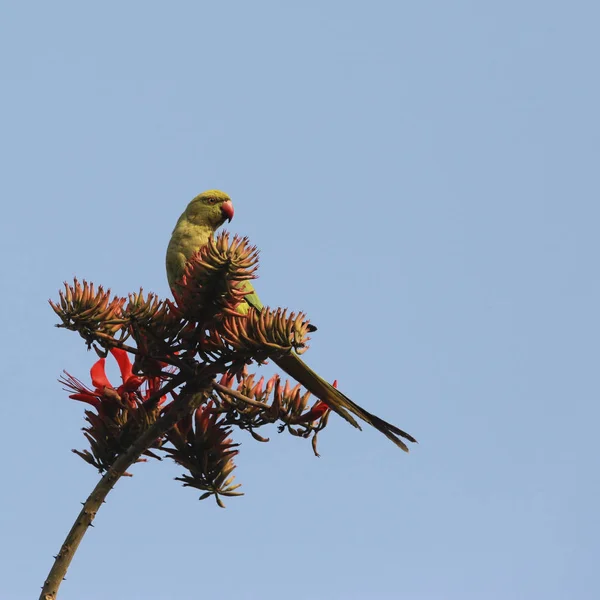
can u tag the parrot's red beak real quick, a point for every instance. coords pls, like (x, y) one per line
(227, 210)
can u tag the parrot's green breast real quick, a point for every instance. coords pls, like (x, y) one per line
(187, 239)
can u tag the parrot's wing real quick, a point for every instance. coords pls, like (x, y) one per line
(252, 298)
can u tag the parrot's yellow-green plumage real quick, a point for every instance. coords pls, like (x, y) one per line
(198, 223)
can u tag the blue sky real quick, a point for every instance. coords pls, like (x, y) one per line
(422, 179)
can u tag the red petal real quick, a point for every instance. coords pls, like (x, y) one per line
(95, 402)
(132, 383)
(316, 412)
(99, 379)
(320, 408)
(124, 363)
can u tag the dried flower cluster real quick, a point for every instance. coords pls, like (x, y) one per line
(178, 352)
(213, 282)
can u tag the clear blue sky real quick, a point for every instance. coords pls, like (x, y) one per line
(422, 179)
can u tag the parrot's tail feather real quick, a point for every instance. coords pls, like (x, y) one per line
(337, 401)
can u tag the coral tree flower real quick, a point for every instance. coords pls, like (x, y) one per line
(316, 412)
(121, 413)
(103, 389)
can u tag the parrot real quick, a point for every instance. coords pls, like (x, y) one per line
(196, 225)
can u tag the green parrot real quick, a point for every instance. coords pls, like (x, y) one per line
(198, 223)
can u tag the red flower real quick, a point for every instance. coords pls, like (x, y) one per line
(316, 412)
(131, 382)
(103, 389)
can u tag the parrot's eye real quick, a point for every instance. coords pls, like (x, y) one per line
(211, 200)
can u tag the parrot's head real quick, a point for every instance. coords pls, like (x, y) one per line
(213, 207)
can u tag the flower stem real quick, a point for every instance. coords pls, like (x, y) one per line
(238, 396)
(185, 403)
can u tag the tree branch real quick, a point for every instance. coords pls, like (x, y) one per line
(180, 408)
(174, 362)
(235, 394)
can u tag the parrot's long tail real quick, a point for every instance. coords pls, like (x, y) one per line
(337, 401)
